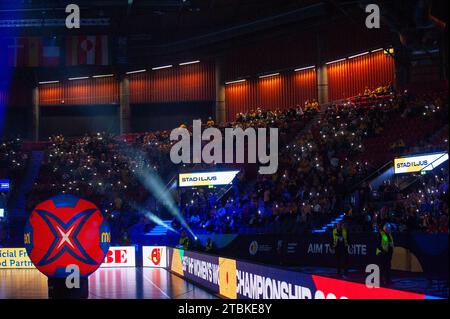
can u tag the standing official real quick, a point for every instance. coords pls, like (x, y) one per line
(340, 245)
(184, 241)
(385, 250)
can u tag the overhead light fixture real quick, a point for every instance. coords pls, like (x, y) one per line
(389, 51)
(79, 78)
(335, 61)
(102, 76)
(237, 81)
(137, 71)
(191, 62)
(358, 55)
(305, 68)
(377, 50)
(48, 82)
(268, 75)
(162, 67)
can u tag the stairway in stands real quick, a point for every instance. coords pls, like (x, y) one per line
(331, 224)
(18, 208)
(160, 230)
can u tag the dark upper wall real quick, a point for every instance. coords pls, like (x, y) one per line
(76, 120)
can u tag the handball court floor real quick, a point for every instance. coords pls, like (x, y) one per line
(105, 283)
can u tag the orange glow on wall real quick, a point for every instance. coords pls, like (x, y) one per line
(80, 92)
(350, 77)
(194, 82)
(278, 92)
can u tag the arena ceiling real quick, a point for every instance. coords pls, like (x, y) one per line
(156, 28)
(156, 21)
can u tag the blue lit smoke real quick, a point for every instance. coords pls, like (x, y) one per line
(151, 180)
(147, 213)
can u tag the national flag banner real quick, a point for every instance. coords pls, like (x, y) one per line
(24, 51)
(50, 52)
(92, 50)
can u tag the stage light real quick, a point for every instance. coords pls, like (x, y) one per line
(335, 61)
(48, 82)
(137, 71)
(191, 62)
(358, 55)
(162, 67)
(102, 76)
(151, 181)
(268, 75)
(79, 78)
(305, 68)
(234, 82)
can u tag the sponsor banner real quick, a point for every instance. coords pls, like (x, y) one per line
(13, 258)
(206, 178)
(413, 164)
(154, 256)
(200, 268)
(307, 250)
(235, 279)
(4, 185)
(120, 257)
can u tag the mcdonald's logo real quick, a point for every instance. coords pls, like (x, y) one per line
(27, 238)
(106, 237)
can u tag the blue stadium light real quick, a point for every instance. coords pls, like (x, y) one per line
(150, 179)
(154, 218)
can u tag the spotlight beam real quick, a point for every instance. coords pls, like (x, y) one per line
(150, 179)
(154, 218)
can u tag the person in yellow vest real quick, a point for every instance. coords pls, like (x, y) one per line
(209, 245)
(384, 251)
(183, 243)
(340, 245)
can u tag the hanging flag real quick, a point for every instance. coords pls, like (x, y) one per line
(24, 51)
(50, 52)
(91, 50)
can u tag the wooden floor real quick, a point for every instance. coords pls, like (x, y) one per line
(105, 283)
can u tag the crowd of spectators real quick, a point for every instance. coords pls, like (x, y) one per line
(423, 206)
(318, 166)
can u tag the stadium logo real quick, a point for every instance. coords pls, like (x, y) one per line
(253, 248)
(155, 257)
(212, 152)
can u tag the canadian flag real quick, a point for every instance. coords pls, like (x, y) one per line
(87, 50)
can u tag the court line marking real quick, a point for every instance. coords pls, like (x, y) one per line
(154, 285)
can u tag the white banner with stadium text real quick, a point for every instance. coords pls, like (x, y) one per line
(206, 178)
